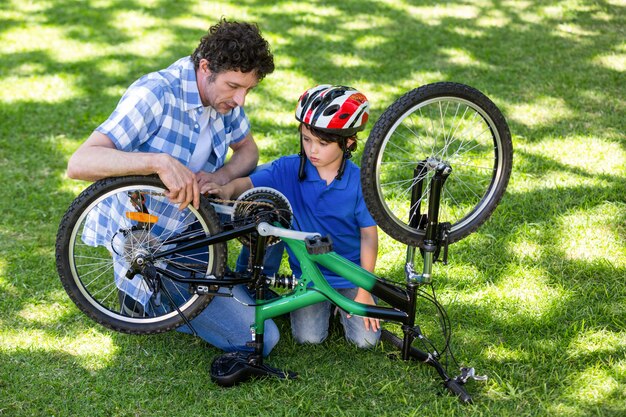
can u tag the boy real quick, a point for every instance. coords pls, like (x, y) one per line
(323, 187)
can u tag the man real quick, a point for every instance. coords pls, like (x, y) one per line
(179, 123)
(212, 83)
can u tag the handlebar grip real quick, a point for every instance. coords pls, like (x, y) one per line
(457, 389)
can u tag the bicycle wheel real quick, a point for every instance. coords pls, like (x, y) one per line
(113, 223)
(441, 122)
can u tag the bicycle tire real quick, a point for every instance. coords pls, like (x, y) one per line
(87, 269)
(441, 122)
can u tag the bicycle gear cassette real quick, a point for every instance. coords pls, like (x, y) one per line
(262, 204)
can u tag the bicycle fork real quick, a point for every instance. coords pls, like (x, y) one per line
(434, 237)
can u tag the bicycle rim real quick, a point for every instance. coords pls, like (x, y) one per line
(98, 269)
(450, 129)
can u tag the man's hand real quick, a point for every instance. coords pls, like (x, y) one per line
(180, 182)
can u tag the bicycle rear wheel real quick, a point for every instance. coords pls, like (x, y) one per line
(441, 122)
(106, 229)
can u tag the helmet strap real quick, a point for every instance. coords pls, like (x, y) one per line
(347, 154)
(302, 155)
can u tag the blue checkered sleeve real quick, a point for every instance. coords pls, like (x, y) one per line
(137, 116)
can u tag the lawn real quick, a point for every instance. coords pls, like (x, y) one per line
(536, 296)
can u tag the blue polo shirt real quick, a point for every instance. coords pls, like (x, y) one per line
(337, 209)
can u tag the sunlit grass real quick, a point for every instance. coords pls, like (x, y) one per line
(493, 19)
(42, 314)
(433, 15)
(91, 350)
(597, 342)
(615, 61)
(53, 88)
(573, 31)
(521, 294)
(535, 296)
(503, 354)
(594, 234)
(59, 46)
(461, 57)
(527, 249)
(592, 156)
(540, 112)
(594, 385)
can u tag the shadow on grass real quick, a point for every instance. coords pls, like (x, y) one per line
(500, 48)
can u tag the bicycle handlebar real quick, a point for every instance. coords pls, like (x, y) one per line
(454, 387)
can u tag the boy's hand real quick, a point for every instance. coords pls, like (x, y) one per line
(216, 190)
(365, 297)
(205, 178)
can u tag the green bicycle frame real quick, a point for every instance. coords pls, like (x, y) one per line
(313, 288)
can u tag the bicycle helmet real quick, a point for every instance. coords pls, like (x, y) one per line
(336, 110)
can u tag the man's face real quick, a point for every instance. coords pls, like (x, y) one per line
(226, 90)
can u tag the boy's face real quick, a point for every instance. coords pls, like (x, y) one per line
(323, 155)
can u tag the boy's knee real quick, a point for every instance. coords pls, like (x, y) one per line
(309, 338)
(365, 340)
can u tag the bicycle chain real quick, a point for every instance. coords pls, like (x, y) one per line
(240, 203)
(249, 203)
(221, 201)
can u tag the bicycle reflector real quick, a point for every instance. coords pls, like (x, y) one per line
(141, 217)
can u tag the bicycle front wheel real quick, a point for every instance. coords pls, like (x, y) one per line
(442, 122)
(116, 222)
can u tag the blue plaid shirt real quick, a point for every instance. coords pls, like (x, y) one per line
(159, 113)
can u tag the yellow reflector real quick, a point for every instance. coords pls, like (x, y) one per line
(141, 217)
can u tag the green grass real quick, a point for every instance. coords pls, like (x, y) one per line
(536, 297)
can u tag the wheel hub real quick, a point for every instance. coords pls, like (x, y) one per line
(432, 163)
(138, 245)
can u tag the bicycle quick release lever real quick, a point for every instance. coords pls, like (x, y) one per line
(467, 373)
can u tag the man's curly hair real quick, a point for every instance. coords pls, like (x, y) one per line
(234, 46)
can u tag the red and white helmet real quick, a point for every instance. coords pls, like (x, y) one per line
(334, 109)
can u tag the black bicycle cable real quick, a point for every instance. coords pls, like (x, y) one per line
(446, 330)
(445, 322)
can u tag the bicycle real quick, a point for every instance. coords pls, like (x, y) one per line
(439, 133)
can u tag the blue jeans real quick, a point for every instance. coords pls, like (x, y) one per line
(310, 324)
(271, 262)
(225, 323)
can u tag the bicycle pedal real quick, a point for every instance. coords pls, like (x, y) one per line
(318, 245)
(233, 368)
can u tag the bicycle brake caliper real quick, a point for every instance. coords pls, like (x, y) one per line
(444, 233)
